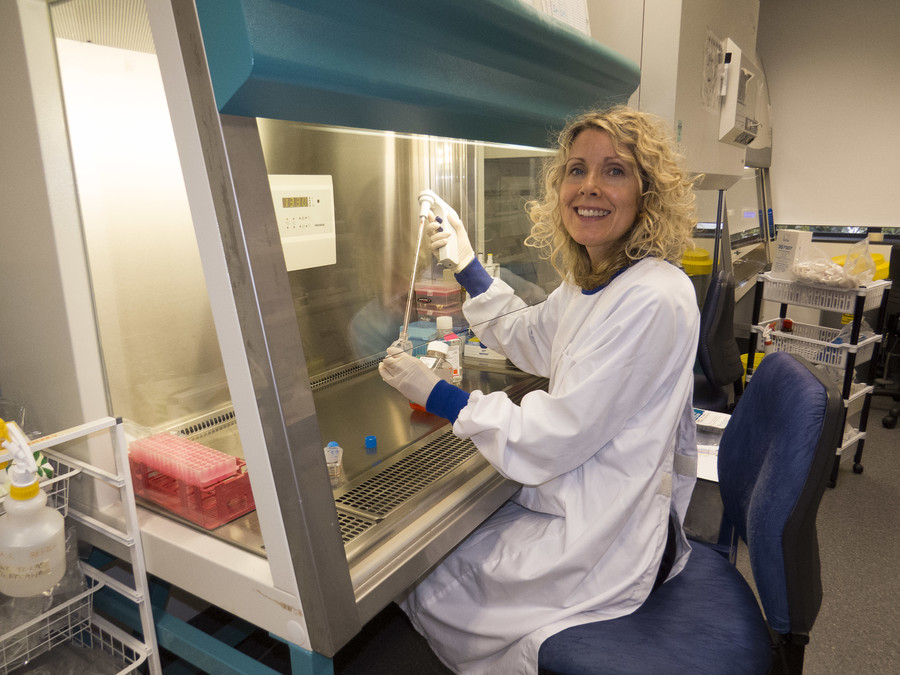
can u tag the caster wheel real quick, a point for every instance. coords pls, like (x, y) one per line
(857, 468)
(889, 421)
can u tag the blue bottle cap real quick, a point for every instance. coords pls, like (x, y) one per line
(371, 442)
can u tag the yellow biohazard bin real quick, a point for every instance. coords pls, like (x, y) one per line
(697, 264)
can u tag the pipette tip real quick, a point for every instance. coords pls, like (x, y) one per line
(404, 343)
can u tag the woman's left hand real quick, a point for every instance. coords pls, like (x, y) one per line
(408, 375)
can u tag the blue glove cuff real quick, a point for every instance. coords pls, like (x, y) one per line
(446, 400)
(474, 278)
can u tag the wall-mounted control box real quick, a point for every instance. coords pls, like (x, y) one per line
(304, 207)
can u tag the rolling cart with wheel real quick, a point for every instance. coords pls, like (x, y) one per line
(823, 345)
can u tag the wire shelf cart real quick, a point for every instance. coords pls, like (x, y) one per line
(74, 621)
(823, 345)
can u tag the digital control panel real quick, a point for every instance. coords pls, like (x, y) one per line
(304, 207)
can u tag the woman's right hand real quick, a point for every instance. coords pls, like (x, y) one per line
(439, 234)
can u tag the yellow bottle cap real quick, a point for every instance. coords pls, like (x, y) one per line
(24, 493)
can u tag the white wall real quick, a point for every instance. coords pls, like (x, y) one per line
(618, 24)
(833, 69)
(669, 40)
(49, 356)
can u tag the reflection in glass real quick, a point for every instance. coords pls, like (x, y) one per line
(351, 311)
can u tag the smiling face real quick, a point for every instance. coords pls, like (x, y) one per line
(600, 193)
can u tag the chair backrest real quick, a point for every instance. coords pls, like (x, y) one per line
(717, 348)
(893, 303)
(774, 461)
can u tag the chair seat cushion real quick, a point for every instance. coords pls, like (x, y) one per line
(705, 620)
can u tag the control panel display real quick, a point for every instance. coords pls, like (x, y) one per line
(304, 207)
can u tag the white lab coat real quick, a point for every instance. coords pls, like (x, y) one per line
(583, 538)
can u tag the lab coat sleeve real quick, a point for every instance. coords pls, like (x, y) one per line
(607, 379)
(506, 324)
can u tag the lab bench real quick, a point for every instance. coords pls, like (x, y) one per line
(416, 456)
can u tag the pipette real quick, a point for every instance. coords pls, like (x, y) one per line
(403, 342)
(447, 255)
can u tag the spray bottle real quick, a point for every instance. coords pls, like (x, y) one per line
(448, 254)
(32, 534)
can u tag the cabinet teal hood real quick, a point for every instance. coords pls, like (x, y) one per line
(484, 70)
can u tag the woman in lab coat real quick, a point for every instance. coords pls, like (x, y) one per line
(607, 455)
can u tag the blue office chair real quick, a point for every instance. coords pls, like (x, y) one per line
(888, 384)
(718, 354)
(774, 461)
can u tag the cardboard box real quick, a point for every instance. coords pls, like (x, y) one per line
(790, 246)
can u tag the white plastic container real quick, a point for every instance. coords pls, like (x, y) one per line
(790, 246)
(32, 535)
(454, 344)
(436, 358)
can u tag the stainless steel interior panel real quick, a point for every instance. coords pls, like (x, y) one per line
(417, 456)
(512, 177)
(364, 405)
(353, 310)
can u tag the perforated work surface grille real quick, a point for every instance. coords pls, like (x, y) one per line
(335, 376)
(208, 424)
(352, 525)
(385, 491)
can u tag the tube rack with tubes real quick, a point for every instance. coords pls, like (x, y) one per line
(182, 458)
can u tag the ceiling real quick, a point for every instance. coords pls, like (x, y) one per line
(112, 23)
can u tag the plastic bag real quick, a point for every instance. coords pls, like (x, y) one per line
(815, 267)
(865, 332)
(860, 266)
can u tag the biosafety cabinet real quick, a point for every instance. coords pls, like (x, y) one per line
(225, 212)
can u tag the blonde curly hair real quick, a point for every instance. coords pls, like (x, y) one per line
(666, 213)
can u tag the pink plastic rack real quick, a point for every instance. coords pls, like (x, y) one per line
(184, 459)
